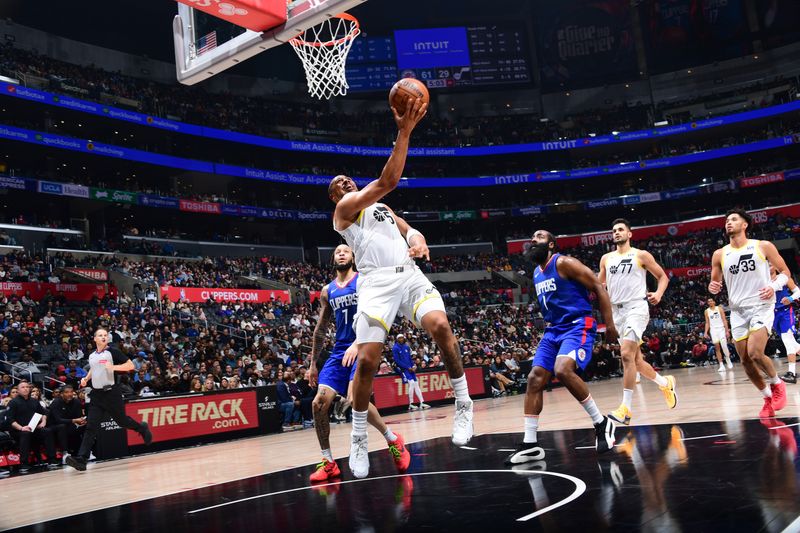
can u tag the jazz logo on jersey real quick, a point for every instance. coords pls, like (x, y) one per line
(624, 267)
(381, 213)
(746, 264)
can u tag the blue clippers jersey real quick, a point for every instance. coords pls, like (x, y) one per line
(343, 301)
(780, 295)
(562, 301)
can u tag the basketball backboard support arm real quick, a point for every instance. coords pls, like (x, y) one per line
(191, 68)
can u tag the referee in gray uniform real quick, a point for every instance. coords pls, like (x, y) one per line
(106, 397)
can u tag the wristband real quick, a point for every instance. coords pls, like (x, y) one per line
(410, 233)
(779, 282)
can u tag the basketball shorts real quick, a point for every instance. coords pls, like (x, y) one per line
(784, 321)
(408, 375)
(717, 335)
(385, 292)
(631, 319)
(334, 374)
(751, 318)
(573, 340)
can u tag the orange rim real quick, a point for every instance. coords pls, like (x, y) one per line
(297, 41)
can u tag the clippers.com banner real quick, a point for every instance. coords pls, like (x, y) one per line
(200, 295)
(390, 391)
(194, 416)
(82, 292)
(760, 216)
(690, 272)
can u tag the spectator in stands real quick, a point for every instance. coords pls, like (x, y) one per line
(12, 393)
(497, 375)
(21, 411)
(699, 353)
(74, 373)
(5, 385)
(27, 368)
(209, 384)
(291, 414)
(75, 353)
(66, 415)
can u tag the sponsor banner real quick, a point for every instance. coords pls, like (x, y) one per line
(458, 215)
(763, 179)
(760, 216)
(114, 195)
(69, 143)
(34, 95)
(49, 187)
(421, 216)
(682, 193)
(602, 204)
(79, 191)
(390, 391)
(641, 198)
(93, 273)
(530, 210)
(194, 416)
(689, 272)
(201, 294)
(211, 208)
(152, 200)
(495, 213)
(82, 292)
(277, 214)
(10, 182)
(229, 209)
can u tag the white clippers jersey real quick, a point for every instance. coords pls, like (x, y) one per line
(376, 240)
(625, 278)
(745, 271)
(715, 318)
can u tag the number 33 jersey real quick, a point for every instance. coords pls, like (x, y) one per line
(746, 271)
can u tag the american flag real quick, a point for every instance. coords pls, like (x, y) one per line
(207, 42)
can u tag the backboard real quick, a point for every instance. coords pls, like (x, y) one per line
(205, 46)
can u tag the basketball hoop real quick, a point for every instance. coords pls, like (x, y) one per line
(323, 51)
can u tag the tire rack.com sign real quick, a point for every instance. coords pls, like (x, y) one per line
(193, 416)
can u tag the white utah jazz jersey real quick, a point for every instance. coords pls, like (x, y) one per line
(376, 240)
(746, 271)
(625, 278)
(715, 317)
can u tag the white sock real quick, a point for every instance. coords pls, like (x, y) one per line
(410, 392)
(326, 454)
(792, 366)
(774, 381)
(660, 380)
(531, 425)
(591, 408)
(627, 397)
(725, 350)
(767, 392)
(460, 388)
(359, 423)
(389, 435)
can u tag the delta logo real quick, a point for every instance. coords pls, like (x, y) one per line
(11, 88)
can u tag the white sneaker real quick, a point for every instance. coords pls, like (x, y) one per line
(92, 457)
(64, 458)
(728, 362)
(424, 405)
(462, 423)
(412, 407)
(359, 456)
(721, 369)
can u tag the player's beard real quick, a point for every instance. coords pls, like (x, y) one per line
(343, 268)
(621, 243)
(538, 252)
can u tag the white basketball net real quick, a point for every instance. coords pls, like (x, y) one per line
(323, 50)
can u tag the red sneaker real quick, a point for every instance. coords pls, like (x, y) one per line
(400, 453)
(325, 470)
(778, 395)
(767, 411)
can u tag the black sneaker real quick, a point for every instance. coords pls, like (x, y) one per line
(789, 377)
(604, 432)
(525, 452)
(78, 463)
(146, 434)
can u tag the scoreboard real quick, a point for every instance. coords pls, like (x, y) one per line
(441, 57)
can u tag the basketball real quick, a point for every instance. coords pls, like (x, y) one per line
(406, 89)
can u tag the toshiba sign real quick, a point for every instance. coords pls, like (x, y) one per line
(390, 391)
(192, 416)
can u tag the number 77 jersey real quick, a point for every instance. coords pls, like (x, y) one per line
(746, 271)
(625, 278)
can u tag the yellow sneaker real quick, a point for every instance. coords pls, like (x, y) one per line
(677, 449)
(621, 415)
(670, 396)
